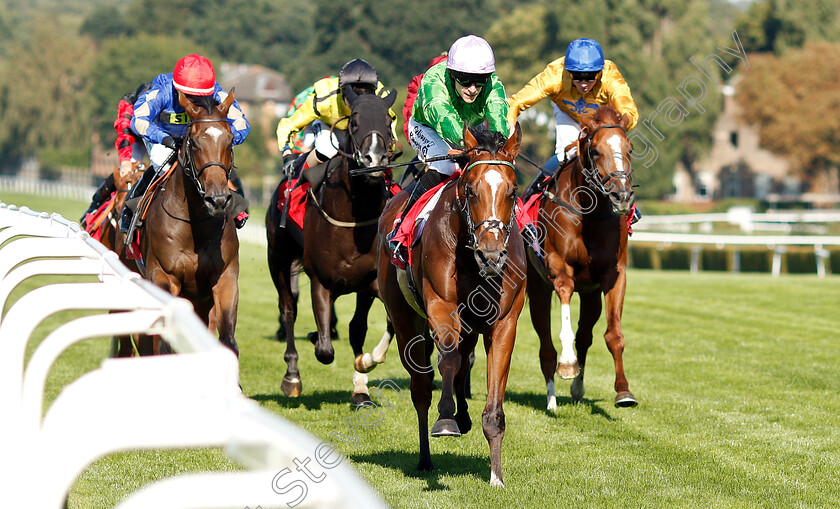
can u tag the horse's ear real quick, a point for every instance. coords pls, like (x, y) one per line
(469, 139)
(511, 148)
(624, 121)
(586, 125)
(227, 103)
(390, 97)
(192, 110)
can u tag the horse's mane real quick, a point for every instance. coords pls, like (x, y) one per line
(488, 140)
(606, 115)
(208, 102)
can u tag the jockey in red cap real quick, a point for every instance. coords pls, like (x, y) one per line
(161, 122)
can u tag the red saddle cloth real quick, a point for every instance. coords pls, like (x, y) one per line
(407, 234)
(93, 220)
(299, 195)
(528, 211)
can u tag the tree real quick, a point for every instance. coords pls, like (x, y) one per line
(42, 104)
(792, 100)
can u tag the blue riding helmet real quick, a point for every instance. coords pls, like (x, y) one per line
(584, 55)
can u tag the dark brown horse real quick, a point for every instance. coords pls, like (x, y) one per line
(583, 246)
(339, 243)
(469, 271)
(189, 242)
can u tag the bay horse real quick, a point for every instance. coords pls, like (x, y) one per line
(469, 270)
(189, 242)
(110, 235)
(339, 245)
(582, 234)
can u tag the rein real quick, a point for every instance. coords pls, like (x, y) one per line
(492, 224)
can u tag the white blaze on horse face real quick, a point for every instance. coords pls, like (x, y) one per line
(616, 156)
(494, 179)
(214, 132)
(567, 336)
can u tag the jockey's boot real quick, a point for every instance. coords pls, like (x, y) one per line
(427, 181)
(99, 196)
(637, 214)
(240, 203)
(133, 198)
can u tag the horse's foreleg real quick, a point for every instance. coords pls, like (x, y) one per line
(358, 331)
(499, 346)
(615, 341)
(539, 303)
(225, 305)
(322, 302)
(590, 311)
(446, 331)
(564, 285)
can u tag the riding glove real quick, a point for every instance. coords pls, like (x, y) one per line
(289, 165)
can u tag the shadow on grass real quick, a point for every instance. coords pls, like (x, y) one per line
(538, 402)
(446, 464)
(309, 401)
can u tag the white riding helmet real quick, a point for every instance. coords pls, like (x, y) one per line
(472, 55)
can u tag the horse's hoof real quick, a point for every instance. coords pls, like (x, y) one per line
(446, 428)
(325, 356)
(360, 398)
(333, 333)
(552, 403)
(312, 337)
(291, 387)
(625, 399)
(464, 422)
(568, 370)
(364, 363)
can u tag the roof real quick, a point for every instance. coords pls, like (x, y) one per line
(254, 83)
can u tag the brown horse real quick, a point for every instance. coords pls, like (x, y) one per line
(469, 269)
(111, 237)
(338, 249)
(583, 246)
(189, 242)
(109, 232)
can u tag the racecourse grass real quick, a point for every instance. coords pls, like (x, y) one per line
(736, 376)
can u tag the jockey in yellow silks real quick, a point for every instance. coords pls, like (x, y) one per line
(324, 108)
(578, 83)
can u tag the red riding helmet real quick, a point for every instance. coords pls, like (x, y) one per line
(194, 75)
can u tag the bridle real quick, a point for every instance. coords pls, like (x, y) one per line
(355, 144)
(185, 157)
(591, 174)
(492, 224)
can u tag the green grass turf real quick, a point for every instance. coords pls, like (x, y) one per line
(736, 377)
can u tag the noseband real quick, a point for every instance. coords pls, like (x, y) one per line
(188, 163)
(592, 174)
(492, 224)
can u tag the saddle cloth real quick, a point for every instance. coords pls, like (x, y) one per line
(411, 228)
(93, 220)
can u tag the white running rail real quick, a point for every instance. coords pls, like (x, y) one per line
(191, 399)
